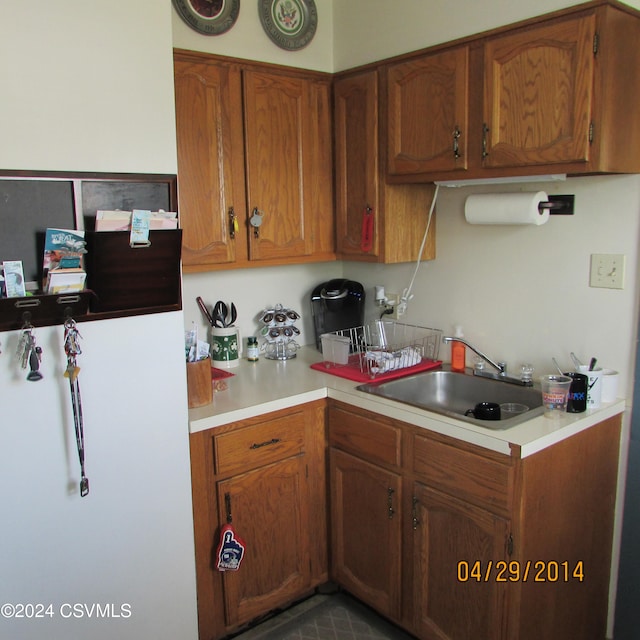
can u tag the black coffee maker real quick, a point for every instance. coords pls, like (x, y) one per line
(335, 305)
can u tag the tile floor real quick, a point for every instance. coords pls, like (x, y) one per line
(326, 617)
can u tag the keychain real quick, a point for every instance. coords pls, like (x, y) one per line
(29, 353)
(231, 547)
(72, 350)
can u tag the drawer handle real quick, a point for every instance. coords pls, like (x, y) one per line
(456, 144)
(256, 445)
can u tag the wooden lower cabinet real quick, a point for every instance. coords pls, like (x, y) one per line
(268, 506)
(267, 475)
(453, 539)
(479, 545)
(449, 540)
(366, 531)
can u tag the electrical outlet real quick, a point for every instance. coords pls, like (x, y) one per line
(392, 303)
(399, 310)
(607, 270)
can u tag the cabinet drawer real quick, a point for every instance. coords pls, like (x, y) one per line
(370, 437)
(260, 444)
(463, 474)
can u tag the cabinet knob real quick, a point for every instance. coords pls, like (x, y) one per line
(255, 221)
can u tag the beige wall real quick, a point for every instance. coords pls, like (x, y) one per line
(368, 30)
(86, 86)
(247, 39)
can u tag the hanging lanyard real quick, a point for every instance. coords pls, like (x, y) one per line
(72, 349)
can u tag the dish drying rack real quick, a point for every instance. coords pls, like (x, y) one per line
(380, 347)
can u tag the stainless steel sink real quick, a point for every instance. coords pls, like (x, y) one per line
(453, 394)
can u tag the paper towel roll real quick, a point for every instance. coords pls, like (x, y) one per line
(506, 208)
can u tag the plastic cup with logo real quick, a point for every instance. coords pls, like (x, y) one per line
(555, 394)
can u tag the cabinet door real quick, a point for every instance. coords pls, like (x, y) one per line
(427, 102)
(366, 531)
(449, 602)
(278, 140)
(356, 163)
(210, 163)
(270, 513)
(538, 95)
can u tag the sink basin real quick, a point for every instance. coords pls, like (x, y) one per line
(452, 394)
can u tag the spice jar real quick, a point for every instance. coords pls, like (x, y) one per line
(253, 350)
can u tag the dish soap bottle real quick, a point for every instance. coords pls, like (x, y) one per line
(458, 352)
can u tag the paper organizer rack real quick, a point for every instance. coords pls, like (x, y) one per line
(380, 347)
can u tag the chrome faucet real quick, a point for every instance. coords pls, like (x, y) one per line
(500, 367)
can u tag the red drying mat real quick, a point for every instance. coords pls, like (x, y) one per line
(352, 372)
(219, 374)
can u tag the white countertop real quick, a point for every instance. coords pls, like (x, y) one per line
(270, 385)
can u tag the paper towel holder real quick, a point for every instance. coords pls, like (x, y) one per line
(558, 205)
(474, 182)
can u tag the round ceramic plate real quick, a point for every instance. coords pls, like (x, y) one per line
(210, 17)
(291, 24)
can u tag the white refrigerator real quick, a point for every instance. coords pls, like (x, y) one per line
(119, 562)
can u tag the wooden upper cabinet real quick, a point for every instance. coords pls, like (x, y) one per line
(288, 160)
(427, 121)
(554, 94)
(375, 221)
(538, 95)
(357, 161)
(210, 162)
(277, 136)
(252, 137)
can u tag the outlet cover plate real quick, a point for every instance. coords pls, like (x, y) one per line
(607, 270)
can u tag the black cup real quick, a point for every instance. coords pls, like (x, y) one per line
(485, 411)
(577, 402)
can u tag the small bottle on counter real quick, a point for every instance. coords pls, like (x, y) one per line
(253, 350)
(458, 352)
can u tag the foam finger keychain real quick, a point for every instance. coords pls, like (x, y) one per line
(231, 547)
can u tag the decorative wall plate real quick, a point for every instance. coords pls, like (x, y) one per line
(210, 17)
(291, 24)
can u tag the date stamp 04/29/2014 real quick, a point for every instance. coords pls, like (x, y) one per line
(517, 571)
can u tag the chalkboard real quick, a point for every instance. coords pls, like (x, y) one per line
(126, 196)
(32, 202)
(27, 208)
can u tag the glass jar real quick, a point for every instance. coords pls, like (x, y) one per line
(253, 351)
